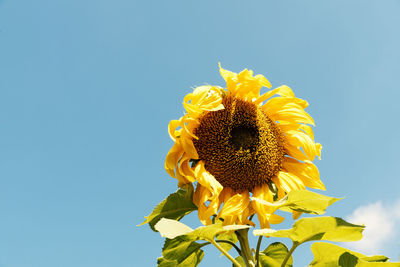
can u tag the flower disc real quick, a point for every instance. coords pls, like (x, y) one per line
(241, 147)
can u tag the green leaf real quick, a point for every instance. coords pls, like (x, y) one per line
(175, 206)
(181, 251)
(240, 260)
(330, 255)
(171, 229)
(347, 259)
(318, 228)
(274, 255)
(302, 201)
(377, 258)
(180, 244)
(210, 231)
(230, 236)
(308, 202)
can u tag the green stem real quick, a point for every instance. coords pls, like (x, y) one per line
(224, 241)
(295, 245)
(230, 243)
(244, 246)
(237, 264)
(258, 250)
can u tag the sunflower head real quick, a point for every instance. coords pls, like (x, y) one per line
(234, 143)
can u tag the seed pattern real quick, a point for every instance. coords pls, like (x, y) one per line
(239, 145)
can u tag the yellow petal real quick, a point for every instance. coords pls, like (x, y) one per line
(290, 182)
(263, 211)
(276, 219)
(244, 85)
(185, 169)
(203, 98)
(172, 159)
(286, 126)
(296, 214)
(200, 197)
(188, 147)
(301, 139)
(306, 171)
(231, 86)
(319, 148)
(226, 74)
(293, 115)
(226, 194)
(206, 179)
(295, 152)
(189, 124)
(308, 130)
(283, 90)
(233, 208)
(244, 216)
(199, 94)
(173, 124)
(279, 103)
(263, 81)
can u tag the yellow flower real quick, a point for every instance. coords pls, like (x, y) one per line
(235, 143)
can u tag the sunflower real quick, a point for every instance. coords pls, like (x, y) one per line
(234, 144)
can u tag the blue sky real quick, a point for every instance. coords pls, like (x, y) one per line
(87, 89)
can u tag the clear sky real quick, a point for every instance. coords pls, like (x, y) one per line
(87, 89)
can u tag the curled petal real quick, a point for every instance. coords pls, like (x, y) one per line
(306, 171)
(289, 181)
(173, 124)
(264, 212)
(226, 74)
(201, 196)
(308, 130)
(296, 214)
(278, 103)
(233, 207)
(189, 124)
(188, 147)
(295, 152)
(207, 180)
(293, 115)
(172, 159)
(283, 90)
(301, 139)
(244, 85)
(185, 169)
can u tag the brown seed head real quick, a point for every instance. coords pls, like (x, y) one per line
(239, 145)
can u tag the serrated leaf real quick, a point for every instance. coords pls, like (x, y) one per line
(181, 251)
(274, 255)
(302, 201)
(175, 206)
(318, 228)
(326, 255)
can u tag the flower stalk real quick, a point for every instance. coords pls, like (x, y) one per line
(237, 264)
(244, 247)
(295, 245)
(258, 251)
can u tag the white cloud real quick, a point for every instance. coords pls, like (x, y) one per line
(380, 226)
